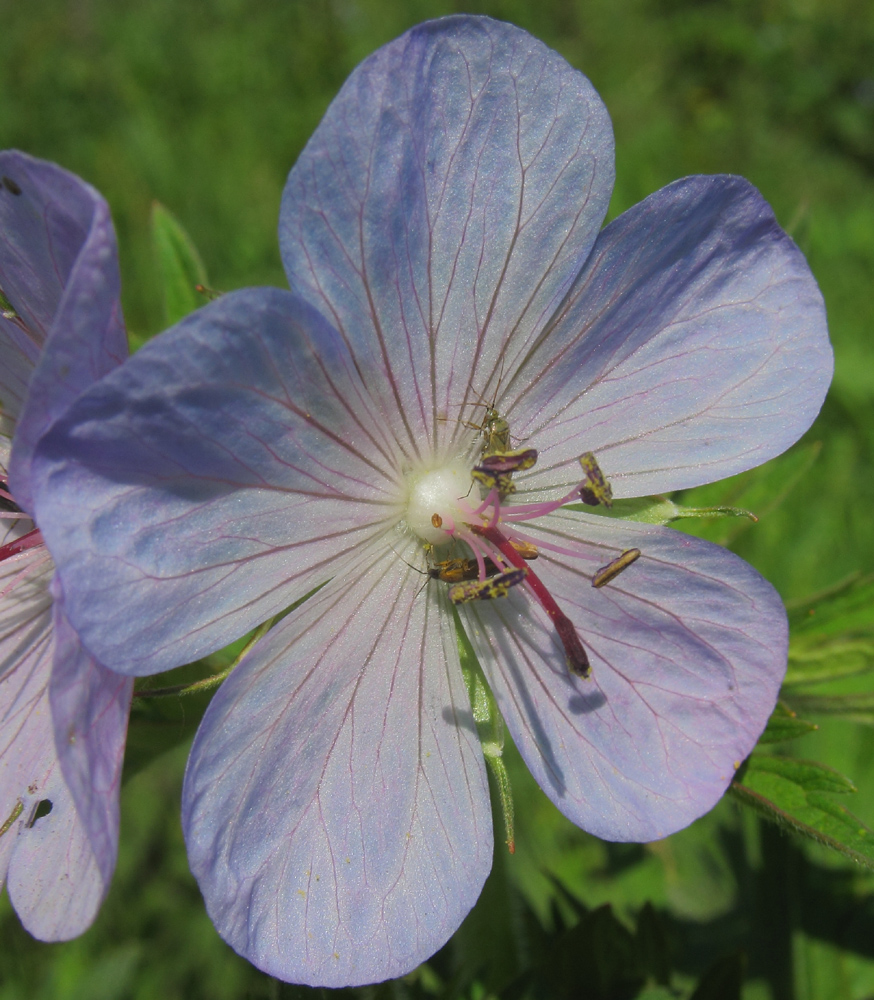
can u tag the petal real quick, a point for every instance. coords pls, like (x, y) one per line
(90, 707)
(335, 804)
(693, 346)
(47, 861)
(59, 270)
(211, 481)
(688, 649)
(442, 208)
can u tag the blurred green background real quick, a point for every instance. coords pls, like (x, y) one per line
(204, 106)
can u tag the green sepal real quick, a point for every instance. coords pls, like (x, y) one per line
(794, 794)
(180, 266)
(784, 724)
(659, 510)
(763, 490)
(489, 727)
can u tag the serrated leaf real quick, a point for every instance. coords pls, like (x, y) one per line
(815, 660)
(784, 724)
(855, 707)
(791, 793)
(844, 609)
(179, 263)
(651, 944)
(723, 980)
(806, 774)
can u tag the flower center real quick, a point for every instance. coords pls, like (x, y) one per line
(440, 499)
(446, 504)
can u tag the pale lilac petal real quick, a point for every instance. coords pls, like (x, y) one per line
(688, 649)
(59, 270)
(90, 707)
(441, 209)
(48, 864)
(335, 804)
(228, 468)
(693, 346)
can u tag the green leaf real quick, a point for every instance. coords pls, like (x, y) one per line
(651, 944)
(761, 490)
(179, 264)
(855, 707)
(784, 724)
(723, 980)
(845, 608)
(832, 634)
(818, 660)
(792, 793)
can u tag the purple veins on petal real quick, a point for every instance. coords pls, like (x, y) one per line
(63, 717)
(345, 851)
(46, 858)
(692, 346)
(441, 232)
(440, 210)
(687, 652)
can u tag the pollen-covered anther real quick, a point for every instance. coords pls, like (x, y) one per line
(605, 574)
(595, 489)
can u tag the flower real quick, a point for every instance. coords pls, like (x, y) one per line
(452, 294)
(63, 716)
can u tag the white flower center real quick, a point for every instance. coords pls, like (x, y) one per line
(438, 499)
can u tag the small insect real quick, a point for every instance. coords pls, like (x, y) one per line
(598, 489)
(11, 186)
(496, 431)
(609, 572)
(488, 589)
(461, 569)
(40, 809)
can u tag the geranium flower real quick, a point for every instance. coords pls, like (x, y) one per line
(63, 716)
(441, 236)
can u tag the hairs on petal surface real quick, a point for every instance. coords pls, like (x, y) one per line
(693, 346)
(335, 805)
(59, 271)
(688, 650)
(228, 468)
(442, 207)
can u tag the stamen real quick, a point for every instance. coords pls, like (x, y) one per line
(596, 489)
(575, 654)
(28, 541)
(609, 572)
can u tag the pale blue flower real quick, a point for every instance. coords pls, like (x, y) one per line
(442, 238)
(60, 330)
